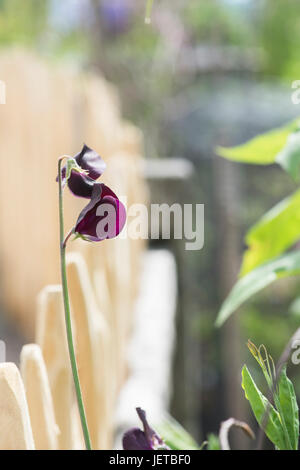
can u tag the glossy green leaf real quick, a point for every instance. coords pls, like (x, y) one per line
(288, 408)
(276, 231)
(258, 279)
(263, 149)
(260, 405)
(175, 436)
(289, 157)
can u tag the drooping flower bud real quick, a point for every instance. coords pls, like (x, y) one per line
(136, 439)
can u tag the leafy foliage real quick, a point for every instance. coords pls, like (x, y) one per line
(289, 408)
(279, 38)
(263, 149)
(276, 231)
(213, 442)
(175, 436)
(289, 156)
(260, 407)
(281, 421)
(279, 228)
(258, 279)
(22, 22)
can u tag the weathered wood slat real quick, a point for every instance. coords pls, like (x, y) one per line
(92, 350)
(15, 428)
(44, 428)
(51, 336)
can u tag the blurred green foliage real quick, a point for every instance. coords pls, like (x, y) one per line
(278, 229)
(256, 23)
(214, 22)
(175, 436)
(23, 22)
(279, 36)
(213, 442)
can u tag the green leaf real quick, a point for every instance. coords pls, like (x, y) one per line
(264, 360)
(213, 442)
(276, 231)
(175, 436)
(289, 157)
(288, 408)
(258, 279)
(260, 405)
(263, 149)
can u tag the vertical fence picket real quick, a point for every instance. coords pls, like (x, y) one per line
(39, 398)
(16, 433)
(51, 337)
(92, 350)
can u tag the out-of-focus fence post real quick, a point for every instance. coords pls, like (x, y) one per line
(15, 425)
(92, 351)
(39, 398)
(51, 337)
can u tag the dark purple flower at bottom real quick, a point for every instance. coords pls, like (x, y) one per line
(104, 217)
(136, 439)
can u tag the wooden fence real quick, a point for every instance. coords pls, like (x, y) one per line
(38, 407)
(51, 111)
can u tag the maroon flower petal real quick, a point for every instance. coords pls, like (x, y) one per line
(150, 434)
(82, 184)
(104, 217)
(89, 160)
(135, 439)
(106, 191)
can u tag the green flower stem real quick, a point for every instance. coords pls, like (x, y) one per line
(63, 242)
(68, 237)
(148, 11)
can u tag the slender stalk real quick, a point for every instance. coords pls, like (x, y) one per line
(63, 243)
(67, 237)
(148, 11)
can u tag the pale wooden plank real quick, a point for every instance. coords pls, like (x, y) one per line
(92, 343)
(15, 428)
(39, 398)
(51, 337)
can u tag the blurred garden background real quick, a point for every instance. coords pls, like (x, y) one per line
(203, 73)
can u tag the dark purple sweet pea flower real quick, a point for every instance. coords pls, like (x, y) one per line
(104, 217)
(81, 183)
(136, 439)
